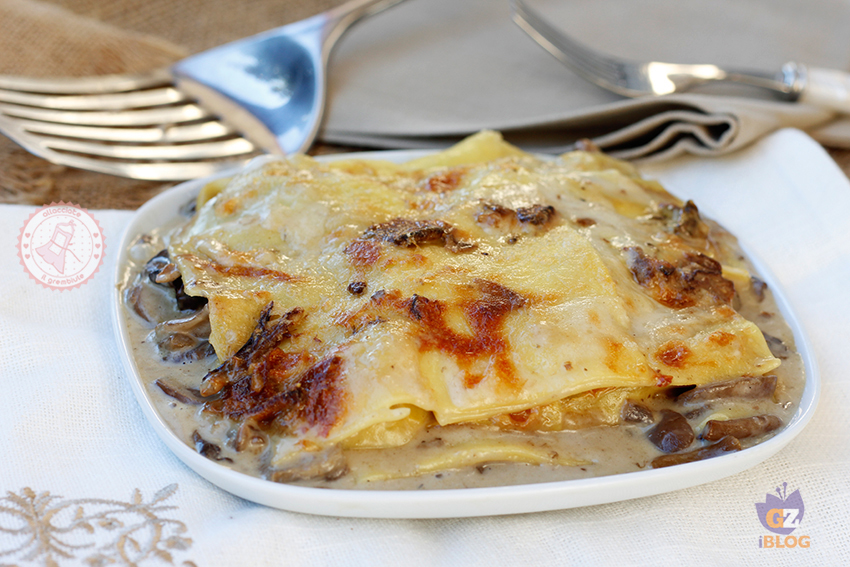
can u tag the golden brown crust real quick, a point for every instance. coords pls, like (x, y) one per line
(694, 279)
(410, 233)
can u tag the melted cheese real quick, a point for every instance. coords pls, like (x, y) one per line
(514, 292)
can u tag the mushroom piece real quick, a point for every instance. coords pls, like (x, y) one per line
(673, 433)
(161, 271)
(411, 233)
(634, 412)
(141, 300)
(188, 396)
(186, 339)
(777, 347)
(688, 222)
(748, 387)
(157, 293)
(153, 303)
(250, 438)
(207, 449)
(326, 464)
(535, 214)
(728, 444)
(741, 428)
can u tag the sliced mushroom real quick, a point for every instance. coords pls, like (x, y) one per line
(496, 215)
(726, 445)
(250, 438)
(134, 297)
(161, 271)
(689, 222)
(537, 215)
(167, 274)
(188, 396)
(153, 303)
(682, 220)
(356, 287)
(748, 387)
(741, 428)
(207, 449)
(777, 347)
(694, 279)
(411, 233)
(759, 288)
(186, 339)
(673, 433)
(327, 464)
(634, 412)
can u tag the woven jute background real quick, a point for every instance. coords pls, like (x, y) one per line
(91, 37)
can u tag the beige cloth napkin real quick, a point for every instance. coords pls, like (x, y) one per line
(84, 480)
(430, 71)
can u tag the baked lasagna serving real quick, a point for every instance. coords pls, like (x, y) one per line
(480, 316)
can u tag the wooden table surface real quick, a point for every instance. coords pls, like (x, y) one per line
(26, 179)
(842, 158)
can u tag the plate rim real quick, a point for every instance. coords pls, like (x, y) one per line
(459, 502)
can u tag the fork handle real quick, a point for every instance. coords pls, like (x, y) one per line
(827, 88)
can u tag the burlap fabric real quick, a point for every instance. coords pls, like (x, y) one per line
(90, 37)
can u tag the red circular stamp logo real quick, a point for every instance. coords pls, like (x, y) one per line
(61, 246)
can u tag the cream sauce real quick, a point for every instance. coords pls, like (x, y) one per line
(606, 449)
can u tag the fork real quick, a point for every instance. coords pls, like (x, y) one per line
(208, 113)
(794, 82)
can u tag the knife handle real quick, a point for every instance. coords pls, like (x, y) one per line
(827, 88)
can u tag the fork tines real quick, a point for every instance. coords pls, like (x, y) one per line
(593, 66)
(139, 127)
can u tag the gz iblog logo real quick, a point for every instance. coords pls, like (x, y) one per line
(782, 514)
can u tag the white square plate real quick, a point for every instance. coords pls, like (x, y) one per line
(748, 193)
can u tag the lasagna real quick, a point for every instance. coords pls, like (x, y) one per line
(479, 313)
